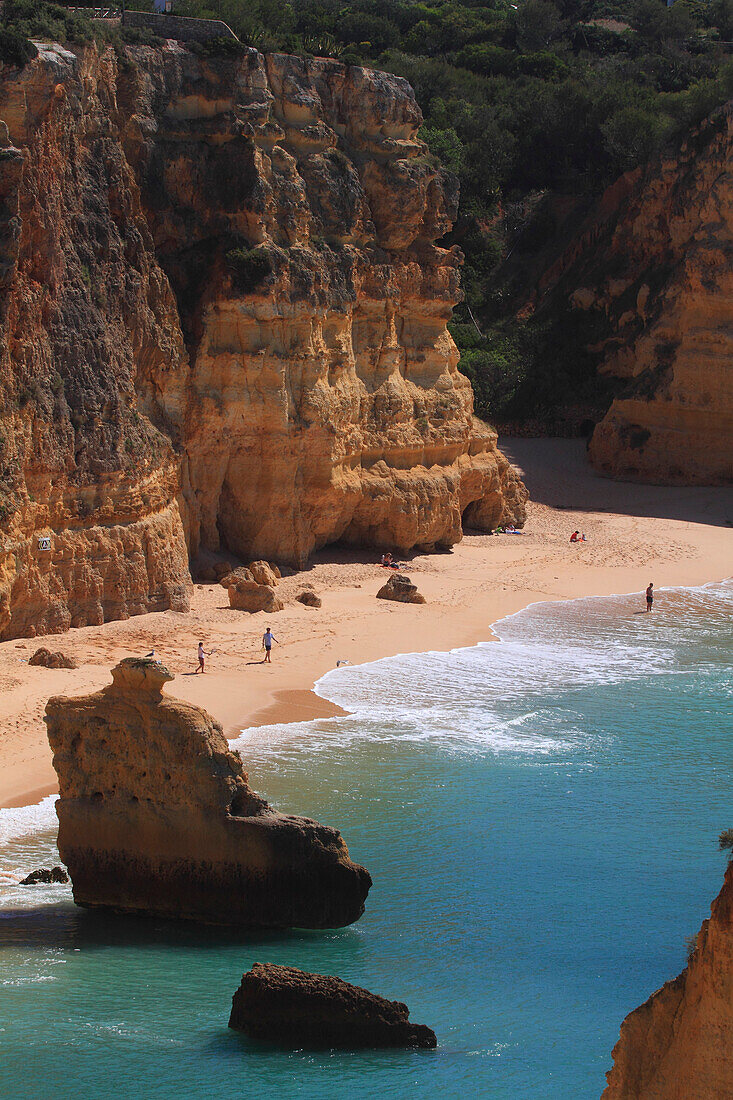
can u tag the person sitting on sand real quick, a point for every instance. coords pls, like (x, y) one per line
(575, 537)
(267, 639)
(201, 658)
(650, 596)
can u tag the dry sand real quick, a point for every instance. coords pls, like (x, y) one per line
(636, 533)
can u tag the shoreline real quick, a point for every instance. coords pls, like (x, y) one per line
(677, 537)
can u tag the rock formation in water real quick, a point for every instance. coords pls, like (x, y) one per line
(679, 1044)
(156, 817)
(652, 267)
(222, 327)
(294, 1009)
(45, 876)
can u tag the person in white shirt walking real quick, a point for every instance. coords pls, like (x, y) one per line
(267, 639)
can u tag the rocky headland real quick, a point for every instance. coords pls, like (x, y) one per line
(223, 326)
(678, 1045)
(293, 1008)
(156, 817)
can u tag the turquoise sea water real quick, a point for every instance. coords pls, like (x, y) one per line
(540, 818)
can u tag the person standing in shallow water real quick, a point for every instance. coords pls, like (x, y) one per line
(650, 596)
(267, 639)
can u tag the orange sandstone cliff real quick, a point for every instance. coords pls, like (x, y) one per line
(679, 1044)
(652, 268)
(222, 326)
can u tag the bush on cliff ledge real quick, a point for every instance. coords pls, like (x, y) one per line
(15, 48)
(249, 267)
(725, 842)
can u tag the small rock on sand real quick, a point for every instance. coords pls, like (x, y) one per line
(308, 598)
(400, 588)
(52, 659)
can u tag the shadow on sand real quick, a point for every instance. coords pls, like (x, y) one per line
(557, 473)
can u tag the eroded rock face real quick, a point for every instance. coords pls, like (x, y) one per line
(92, 364)
(156, 817)
(653, 267)
(160, 399)
(679, 1044)
(294, 1009)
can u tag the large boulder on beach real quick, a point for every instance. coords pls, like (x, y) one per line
(246, 595)
(264, 573)
(156, 816)
(400, 588)
(297, 1009)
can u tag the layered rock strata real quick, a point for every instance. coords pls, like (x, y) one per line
(326, 403)
(293, 1008)
(156, 817)
(223, 327)
(679, 1044)
(653, 267)
(92, 364)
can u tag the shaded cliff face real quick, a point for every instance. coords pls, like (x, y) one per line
(157, 398)
(156, 817)
(679, 1044)
(654, 267)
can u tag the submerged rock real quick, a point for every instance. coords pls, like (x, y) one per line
(45, 876)
(296, 1009)
(400, 588)
(156, 816)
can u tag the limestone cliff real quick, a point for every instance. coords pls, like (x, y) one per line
(653, 266)
(92, 364)
(679, 1044)
(156, 817)
(223, 323)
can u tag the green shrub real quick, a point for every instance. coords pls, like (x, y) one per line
(15, 48)
(34, 19)
(249, 267)
(222, 46)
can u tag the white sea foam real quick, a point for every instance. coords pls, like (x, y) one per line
(492, 697)
(26, 820)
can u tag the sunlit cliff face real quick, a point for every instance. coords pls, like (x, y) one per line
(162, 398)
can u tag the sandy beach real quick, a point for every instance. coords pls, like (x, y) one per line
(635, 533)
